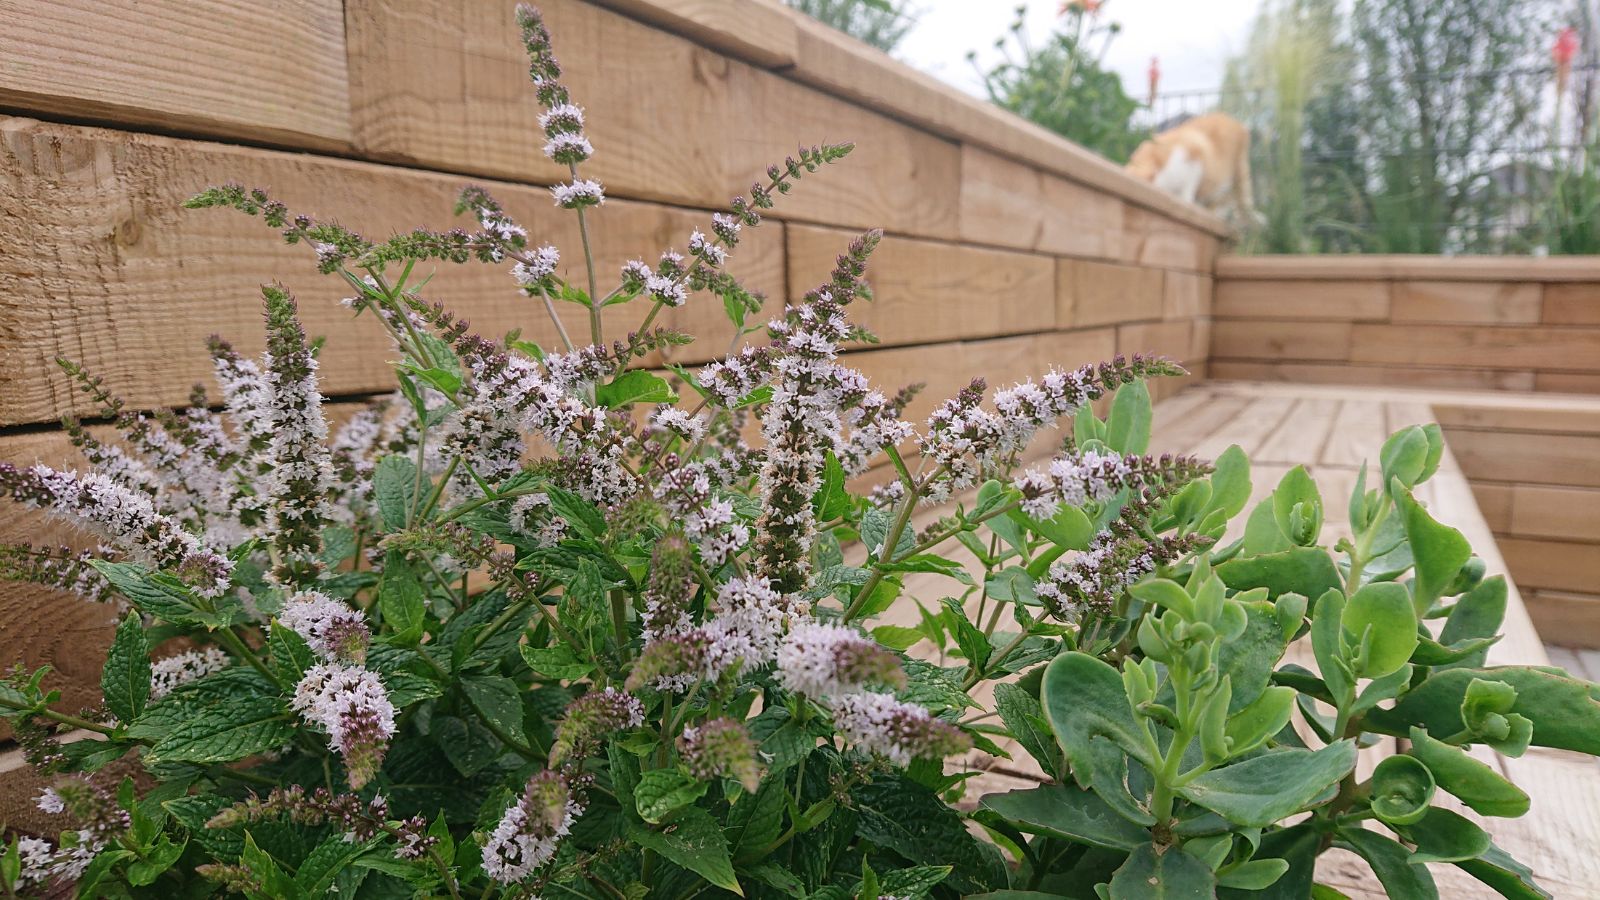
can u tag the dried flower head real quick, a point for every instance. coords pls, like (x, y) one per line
(721, 748)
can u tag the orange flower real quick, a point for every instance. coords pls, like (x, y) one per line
(1092, 7)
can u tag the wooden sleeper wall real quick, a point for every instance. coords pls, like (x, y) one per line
(1500, 323)
(1007, 251)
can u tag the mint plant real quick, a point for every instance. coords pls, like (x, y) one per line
(541, 622)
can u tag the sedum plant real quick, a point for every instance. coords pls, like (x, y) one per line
(545, 622)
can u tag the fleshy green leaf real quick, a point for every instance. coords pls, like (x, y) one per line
(1308, 571)
(1401, 878)
(1499, 870)
(1565, 712)
(1068, 813)
(1402, 787)
(1475, 783)
(1264, 789)
(1439, 550)
(1152, 873)
(1083, 697)
(1380, 627)
(1445, 836)
(1128, 422)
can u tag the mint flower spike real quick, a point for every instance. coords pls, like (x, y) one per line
(530, 831)
(721, 748)
(352, 706)
(331, 628)
(301, 479)
(824, 660)
(894, 729)
(804, 422)
(588, 718)
(59, 568)
(123, 518)
(172, 672)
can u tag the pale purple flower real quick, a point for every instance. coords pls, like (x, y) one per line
(352, 706)
(898, 731)
(332, 628)
(578, 193)
(824, 660)
(540, 265)
(530, 831)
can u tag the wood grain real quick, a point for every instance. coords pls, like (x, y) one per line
(931, 291)
(226, 68)
(1274, 340)
(444, 85)
(1341, 301)
(1340, 373)
(1095, 293)
(110, 271)
(757, 31)
(1486, 302)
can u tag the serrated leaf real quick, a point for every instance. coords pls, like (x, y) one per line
(125, 681)
(164, 596)
(634, 386)
(496, 699)
(225, 733)
(394, 481)
(695, 842)
(402, 599)
(315, 875)
(662, 792)
(555, 662)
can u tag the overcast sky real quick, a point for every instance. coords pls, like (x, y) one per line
(1192, 38)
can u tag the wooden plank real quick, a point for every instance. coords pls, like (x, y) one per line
(1249, 428)
(1572, 304)
(1274, 340)
(1559, 459)
(104, 266)
(1340, 301)
(265, 72)
(1565, 793)
(1094, 293)
(1531, 347)
(1532, 414)
(1568, 382)
(1301, 436)
(1339, 373)
(1184, 431)
(1567, 513)
(847, 68)
(1333, 267)
(442, 84)
(1187, 296)
(1553, 565)
(1494, 501)
(1571, 618)
(1156, 240)
(928, 291)
(1357, 435)
(1017, 205)
(756, 31)
(1486, 302)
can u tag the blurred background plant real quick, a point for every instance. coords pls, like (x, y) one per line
(1063, 84)
(881, 23)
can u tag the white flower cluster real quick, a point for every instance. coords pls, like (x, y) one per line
(689, 492)
(302, 473)
(732, 379)
(171, 672)
(899, 731)
(707, 249)
(531, 514)
(500, 226)
(562, 118)
(245, 394)
(716, 532)
(820, 660)
(331, 628)
(125, 519)
(679, 422)
(874, 425)
(745, 633)
(513, 852)
(1087, 476)
(578, 193)
(540, 265)
(350, 704)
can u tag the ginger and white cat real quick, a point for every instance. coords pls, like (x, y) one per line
(1205, 160)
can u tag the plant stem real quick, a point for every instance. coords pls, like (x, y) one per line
(561, 329)
(229, 639)
(61, 717)
(885, 553)
(595, 333)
